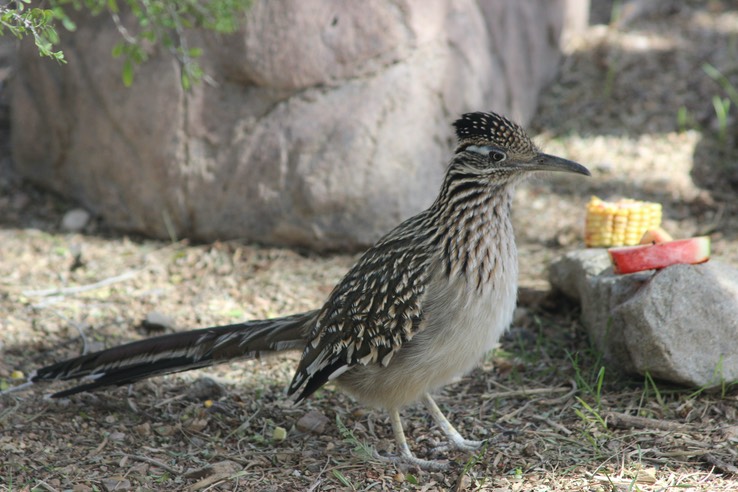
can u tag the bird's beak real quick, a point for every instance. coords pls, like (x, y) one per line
(546, 162)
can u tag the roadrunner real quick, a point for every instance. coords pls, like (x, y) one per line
(417, 310)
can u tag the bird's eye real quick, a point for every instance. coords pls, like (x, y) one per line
(497, 156)
(492, 153)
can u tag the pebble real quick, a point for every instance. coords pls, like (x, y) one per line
(116, 484)
(143, 429)
(205, 389)
(313, 422)
(117, 436)
(157, 322)
(75, 220)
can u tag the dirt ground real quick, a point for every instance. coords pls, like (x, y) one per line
(633, 102)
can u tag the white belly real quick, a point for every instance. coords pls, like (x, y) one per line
(463, 325)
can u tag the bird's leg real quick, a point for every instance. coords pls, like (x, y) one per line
(406, 456)
(455, 439)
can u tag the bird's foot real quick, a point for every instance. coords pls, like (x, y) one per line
(412, 460)
(460, 444)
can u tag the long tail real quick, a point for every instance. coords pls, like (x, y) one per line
(177, 352)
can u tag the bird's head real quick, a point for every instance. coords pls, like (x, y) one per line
(491, 145)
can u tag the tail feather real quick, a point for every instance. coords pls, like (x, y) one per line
(178, 352)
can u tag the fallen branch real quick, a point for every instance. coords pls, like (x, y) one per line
(625, 421)
(81, 288)
(524, 392)
(552, 424)
(152, 461)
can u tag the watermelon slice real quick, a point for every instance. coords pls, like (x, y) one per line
(630, 259)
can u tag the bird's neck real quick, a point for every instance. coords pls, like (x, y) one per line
(474, 229)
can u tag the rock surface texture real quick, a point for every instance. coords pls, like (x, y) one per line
(328, 124)
(678, 324)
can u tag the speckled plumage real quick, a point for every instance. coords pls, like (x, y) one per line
(418, 309)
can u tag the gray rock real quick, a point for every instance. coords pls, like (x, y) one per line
(313, 422)
(117, 483)
(586, 275)
(328, 124)
(678, 324)
(75, 220)
(205, 388)
(682, 325)
(156, 321)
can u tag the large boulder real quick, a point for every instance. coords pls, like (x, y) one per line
(327, 123)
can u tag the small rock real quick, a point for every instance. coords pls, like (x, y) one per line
(116, 484)
(156, 322)
(678, 324)
(143, 429)
(139, 469)
(165, 430)
(80, 487)
(75, 220)
(313, 422)
(117, 436)
(205, 389)
(196, 425)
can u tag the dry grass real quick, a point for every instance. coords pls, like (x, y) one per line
(553, 417)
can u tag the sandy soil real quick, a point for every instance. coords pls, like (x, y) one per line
(632, 102)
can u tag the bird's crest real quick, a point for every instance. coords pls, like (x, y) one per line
(490, 128)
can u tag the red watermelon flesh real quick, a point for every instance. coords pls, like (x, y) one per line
(630, 259)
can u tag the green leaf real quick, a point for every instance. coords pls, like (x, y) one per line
(68, 24)
(117, 50)
(52, 35)
(128, 72)
(342, 478)
(186, 81)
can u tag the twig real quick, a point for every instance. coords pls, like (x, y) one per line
(514, 413)
(625, 421)
(564, 398)
(524, 392)
(318, 481)
(152, 461)
(81, 288)
(553, 424)
(46, 486)
(99, 448)
(13, 389)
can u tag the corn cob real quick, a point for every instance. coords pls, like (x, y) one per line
(620, 223)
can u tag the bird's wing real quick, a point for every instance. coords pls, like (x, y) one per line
(376, 308)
